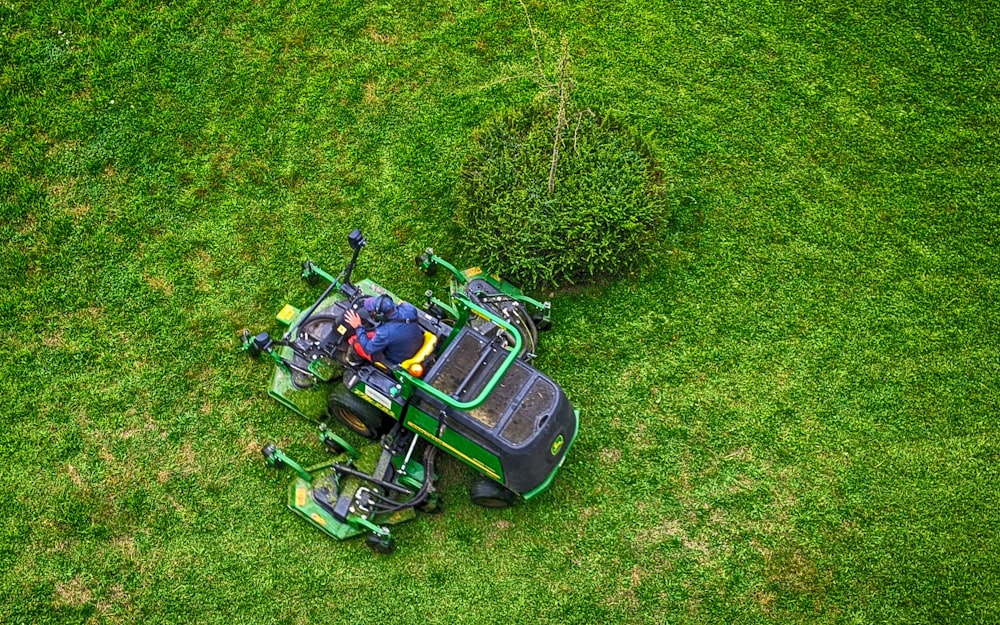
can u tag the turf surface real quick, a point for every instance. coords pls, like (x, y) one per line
(789, 416)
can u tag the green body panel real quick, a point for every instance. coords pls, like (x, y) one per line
(300, 502)
(393, 409)
(453, 443)
(414, 472)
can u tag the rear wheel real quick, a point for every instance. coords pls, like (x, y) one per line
(488, 494)
(514, 313)
(358, 416)
(526, 325)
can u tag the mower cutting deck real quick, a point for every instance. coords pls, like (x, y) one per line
(470, 391)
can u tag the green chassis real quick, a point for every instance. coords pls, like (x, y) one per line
(493, 420)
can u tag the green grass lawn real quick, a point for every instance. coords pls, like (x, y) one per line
(788, 416)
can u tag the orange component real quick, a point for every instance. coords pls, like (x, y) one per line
(417, 370)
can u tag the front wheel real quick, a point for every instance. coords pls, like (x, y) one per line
(309, 273)
(270, 453)
(357, 415)
(248, 345)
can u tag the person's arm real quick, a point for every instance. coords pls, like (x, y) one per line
(370, 345)
(373, 345)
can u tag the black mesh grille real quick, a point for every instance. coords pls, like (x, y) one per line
(502, 397)
(450, 372)
(537, 403)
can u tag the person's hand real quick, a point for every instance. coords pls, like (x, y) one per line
(352, 318)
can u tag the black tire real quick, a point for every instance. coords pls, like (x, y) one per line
(381, 544)
(424, 261)
(246, 341)
(356, 415)
(488, 494)
(309, 274)
(333, 447)
(526, 325)
(269, 453)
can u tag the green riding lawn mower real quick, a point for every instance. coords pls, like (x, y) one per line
(470, 391)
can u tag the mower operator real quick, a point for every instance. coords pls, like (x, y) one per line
(397, 334)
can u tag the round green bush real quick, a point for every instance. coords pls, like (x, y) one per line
(606, 205)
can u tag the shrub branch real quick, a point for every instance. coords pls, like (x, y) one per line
(563, 90)
(534, 42)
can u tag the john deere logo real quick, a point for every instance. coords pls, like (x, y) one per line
(557, 444)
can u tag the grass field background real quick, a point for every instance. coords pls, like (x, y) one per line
(789, 415)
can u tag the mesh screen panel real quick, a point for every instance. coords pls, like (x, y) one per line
(450, 373)
(503, 395)
(539, 400)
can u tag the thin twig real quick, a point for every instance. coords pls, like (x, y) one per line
(579, 119)
(534, 42)
(561, 116)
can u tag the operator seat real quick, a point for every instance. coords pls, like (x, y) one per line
(415, 364)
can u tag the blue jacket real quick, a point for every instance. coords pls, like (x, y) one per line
(398, 337)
